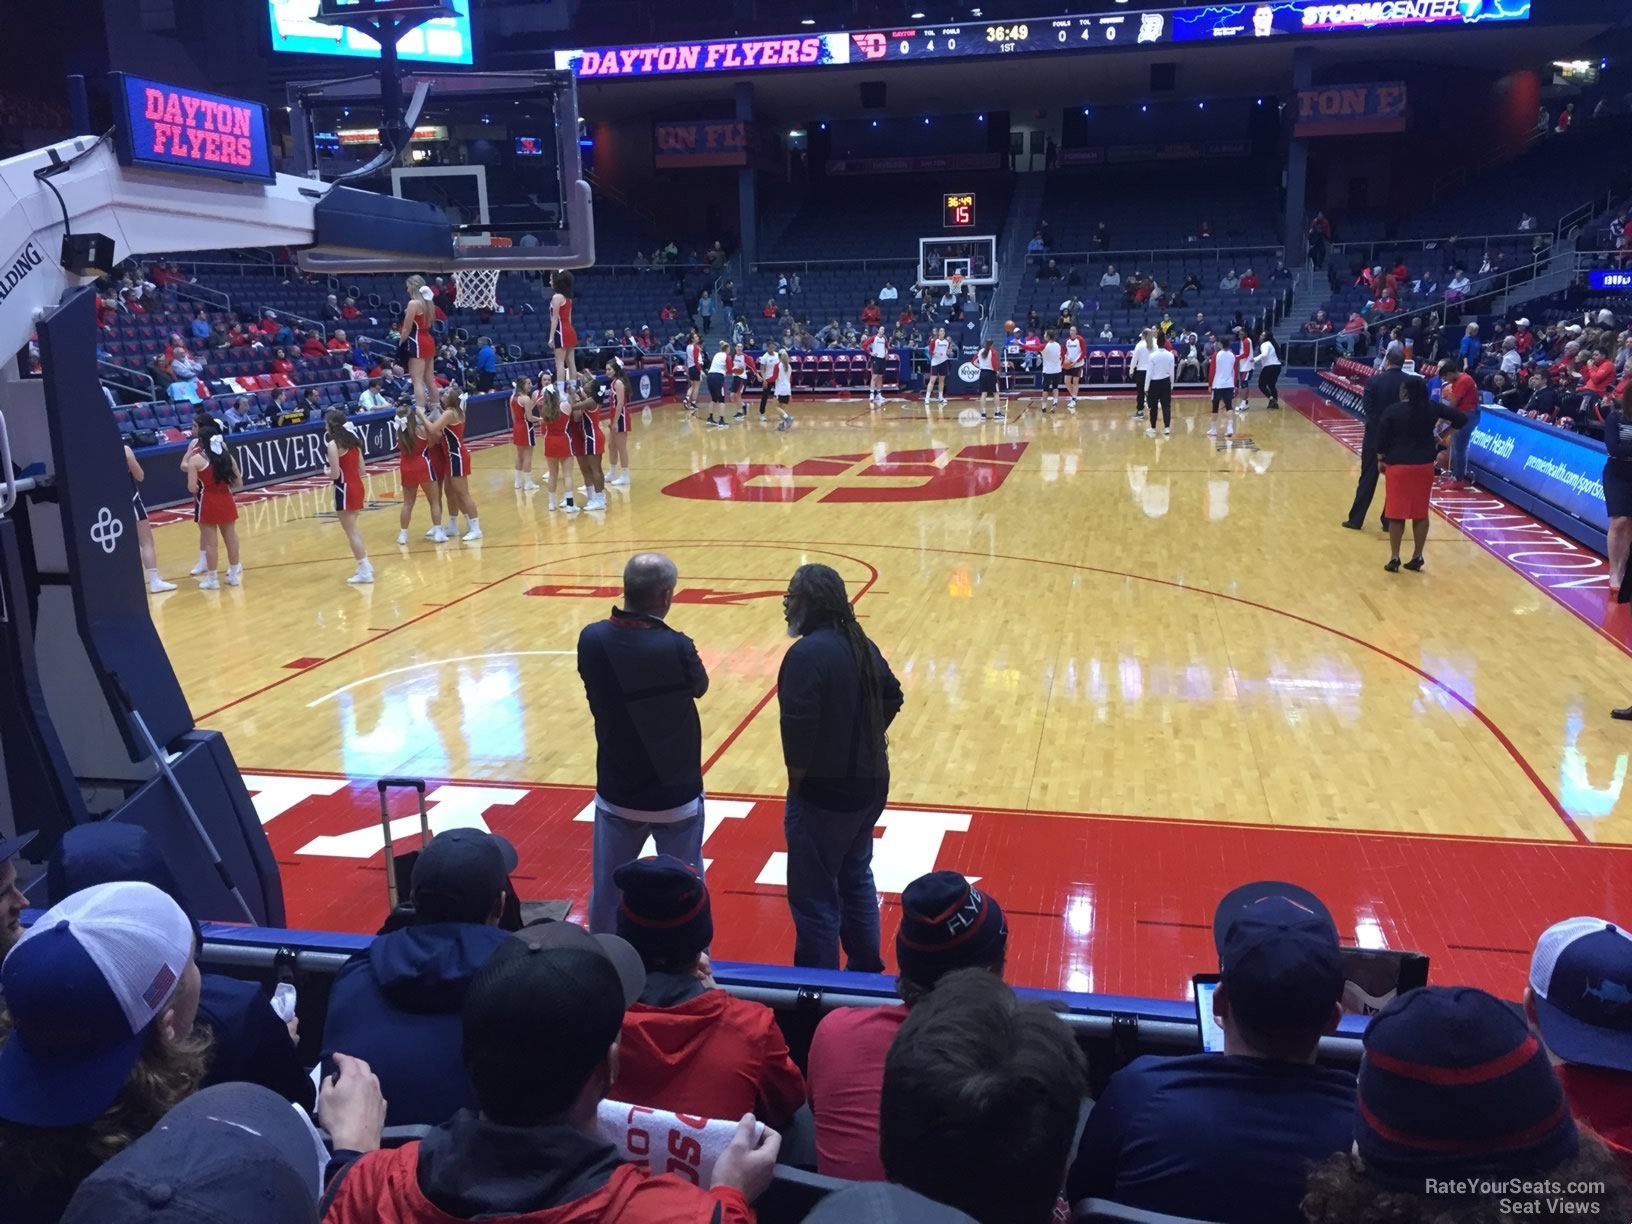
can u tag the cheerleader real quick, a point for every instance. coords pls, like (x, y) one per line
(212, 473)
(587, 443)
(418, 472)
(416, 343)
(717, 376)
(1075, 352)
(617, 442)
(563, 336)
(346, 470)
(940, 349)
(1269, 368)
(202, 563)
(557, 450)
(144, 529)
(878, 349)
(1053, 370)
(524, 432)
(694, 370)
(448, 431)
(986, 361)
(1243, 369)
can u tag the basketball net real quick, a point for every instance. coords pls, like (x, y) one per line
(479, 287)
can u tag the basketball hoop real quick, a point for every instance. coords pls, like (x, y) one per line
(478, 287)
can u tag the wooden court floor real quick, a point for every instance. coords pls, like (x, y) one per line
(1137, 672)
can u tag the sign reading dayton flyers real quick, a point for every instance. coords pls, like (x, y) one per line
(166, 127)
(1351, 110)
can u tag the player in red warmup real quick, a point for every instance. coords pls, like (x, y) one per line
(346, 470)
(211, 474)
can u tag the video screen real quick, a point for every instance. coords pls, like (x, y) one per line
(442, 40)
(529, 146)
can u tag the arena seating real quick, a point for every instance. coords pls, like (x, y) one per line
(1143, 211)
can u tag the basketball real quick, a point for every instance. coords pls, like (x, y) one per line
(1008, 326)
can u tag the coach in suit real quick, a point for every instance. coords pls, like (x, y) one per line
(1382, 389)
(643, 680)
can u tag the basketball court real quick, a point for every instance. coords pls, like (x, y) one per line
(1137, 672)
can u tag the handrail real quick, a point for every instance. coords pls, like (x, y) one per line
(203, 293)
(8, 480)
(1199, 249)
(142, 375)
(1397, 245)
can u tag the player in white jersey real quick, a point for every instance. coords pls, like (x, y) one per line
(1269, 368)
(1140, 365)
(940, 351)
(1221, 378)
(1074, 353)
(784, 387)
(719, 367)
(878, 352)
(1053, 369)
(1159, 388)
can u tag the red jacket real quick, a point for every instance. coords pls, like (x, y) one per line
(1602, 1100)
(715, 1056)
(547, 1175)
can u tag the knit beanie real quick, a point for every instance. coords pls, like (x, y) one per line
(665, 912)
(946, 924)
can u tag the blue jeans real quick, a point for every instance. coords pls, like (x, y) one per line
(618, 841)
(830, 886)
(1459, 446)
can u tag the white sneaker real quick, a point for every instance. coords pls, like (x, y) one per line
(622, 478)
(941, 401)
(159, 586)
(198, 569)
(551, 505)
(1000, 416)
(438, 535)
(530, 487)
(1167, 432)
(364, 574)
(596, 502)
(1150, 431)
(209, 583)
(235, 575)
(402, 536)
(570, 506)
(518, 480)
(1212, 432)
(1072, 407)
(475, 533)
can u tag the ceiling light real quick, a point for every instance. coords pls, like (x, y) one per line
(812, 20)
(917, 16)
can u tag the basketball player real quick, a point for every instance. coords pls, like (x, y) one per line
(563, 336)
(346, 470)
(986, 361)
(940, 350)
(1269, 368)
(1140, 363)
(694, 370)
(878, 348)
(144, 529)
(524, 432)
(617, 448)
(1159, 387)
(417, 460)
(587, 444)
(415, 341)
(718, 368)
(784, 389)
(769, 365)
(1075, 353)
(1221, 378)
(211, 474)
(1053, 368)
(448, 431)
(557, 450)
(1243, 369)
(737, 383)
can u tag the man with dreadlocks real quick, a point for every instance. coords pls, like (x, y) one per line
(838, 697)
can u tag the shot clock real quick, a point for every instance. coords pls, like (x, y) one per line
(958, 211)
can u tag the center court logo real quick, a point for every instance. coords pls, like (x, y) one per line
(912, 475)
(106, 530)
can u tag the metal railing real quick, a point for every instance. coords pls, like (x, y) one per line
(1382, 250)
(215, 298)
(127, 378)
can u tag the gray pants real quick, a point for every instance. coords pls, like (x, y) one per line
(618, 841)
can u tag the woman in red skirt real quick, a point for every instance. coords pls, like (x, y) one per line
(618, 391)
(419, 471)
(1405, 456)
(557, 449)
(212, 473)
(447, 431)
(346, 470)
(587, 444)
(524, 432)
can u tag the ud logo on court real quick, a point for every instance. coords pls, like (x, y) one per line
(905, 475)
(107, 530)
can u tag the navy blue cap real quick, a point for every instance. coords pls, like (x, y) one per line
(10, 847)
(1581, 982)
(459, 875)
(1279, 960)
(665, 911)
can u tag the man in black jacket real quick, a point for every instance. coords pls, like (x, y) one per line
(1382, 389)
(643, 680)
(838, 698)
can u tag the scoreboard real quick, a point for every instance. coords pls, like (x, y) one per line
(958, 211)
(981, 38)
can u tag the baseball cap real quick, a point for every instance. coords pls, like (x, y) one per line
(1581, 975)
(104, 852)
(946, 924)
(229, 1154)
(461, 872)
(10, 847)
(540, 1015)
(665, 912)
(1454, 1085)
(1521, 322)
(1278, 957)
(82, 986)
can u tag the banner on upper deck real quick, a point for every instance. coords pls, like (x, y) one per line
(1351, 110)
(689, 144)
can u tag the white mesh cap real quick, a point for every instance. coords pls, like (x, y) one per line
(137, 937)
(1552, 943)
